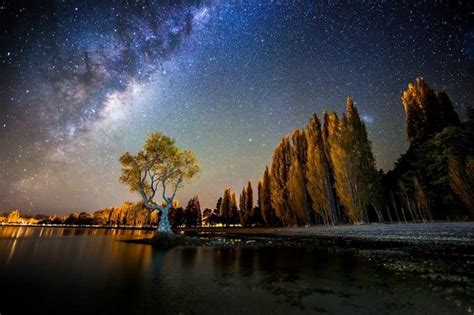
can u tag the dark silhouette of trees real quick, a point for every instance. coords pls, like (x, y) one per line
(206, 215)
(461, 181)
(228, 211)
(246, 205)
(177, 217)
(192, 213)
(434, 178)
(234, 210)
(427, 112)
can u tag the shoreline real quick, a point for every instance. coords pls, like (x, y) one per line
(428, 238)
(434, 238)
(256, 229)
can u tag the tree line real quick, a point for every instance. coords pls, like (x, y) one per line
(322, 174)
(325, 173)
(434, 179)
(127, 214)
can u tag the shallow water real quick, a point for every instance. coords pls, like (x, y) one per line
(89, 271)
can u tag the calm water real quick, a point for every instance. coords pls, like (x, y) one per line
(89, 271)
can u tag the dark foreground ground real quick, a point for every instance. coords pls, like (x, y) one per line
(430, 238)
(370, 269)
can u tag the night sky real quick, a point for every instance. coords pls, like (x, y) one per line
(81, 82)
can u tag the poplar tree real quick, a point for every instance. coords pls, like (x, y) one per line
(249, 197)
(427, 112)
(279, 192)
(356, 178)
(246, 204)
(327, 149)
(300, 146)
(259, 200)
(242, 210)
(194, 210)
(344, 167)
(190, 214)
(225, 206)
(218, 205)
(199, 212)
(296, 188)
(234, 210)
(264, 199)
(318, 179)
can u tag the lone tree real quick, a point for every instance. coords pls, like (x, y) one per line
(160, 167)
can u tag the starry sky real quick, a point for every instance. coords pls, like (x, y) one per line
(81, 82)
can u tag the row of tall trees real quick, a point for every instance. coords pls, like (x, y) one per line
(188, 217)
(228, 209)
(251, 215)
(324, 173)
(228, 213)
(434, 179)
(132, 214)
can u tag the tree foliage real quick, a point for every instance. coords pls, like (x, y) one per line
(427, 112)
(246, 204)
(432, 180)
(318, 177)
(320, 167)
(161, 165)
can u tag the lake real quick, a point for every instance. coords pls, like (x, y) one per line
(91, 271)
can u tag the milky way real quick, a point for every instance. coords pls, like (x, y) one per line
(83, 81)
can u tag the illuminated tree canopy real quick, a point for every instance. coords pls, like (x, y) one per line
(160, 169)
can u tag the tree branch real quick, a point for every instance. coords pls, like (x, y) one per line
(176, 187)
(164, 190)
(147, 201)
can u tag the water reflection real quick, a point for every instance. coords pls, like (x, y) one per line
(79, 271)
(12, 232)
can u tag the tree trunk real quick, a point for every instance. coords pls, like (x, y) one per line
(164, 227)
(332, 204)
(387, 208)
(379, 214)
(395, 208)
(403, 215)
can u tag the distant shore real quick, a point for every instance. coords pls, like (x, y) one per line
(75, 226)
